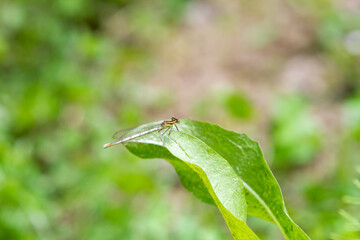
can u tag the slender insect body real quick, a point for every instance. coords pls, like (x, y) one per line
(162, 129)
(139, 135)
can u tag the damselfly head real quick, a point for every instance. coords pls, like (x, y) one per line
(174, 119)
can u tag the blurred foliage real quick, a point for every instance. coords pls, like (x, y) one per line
(334, 21)
(59, 73)
(223, 102)
(296, 136)
(72, 71)
(351, 230)
(238, 105)
(352, 117)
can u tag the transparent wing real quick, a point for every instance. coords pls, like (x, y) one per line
(121, 134)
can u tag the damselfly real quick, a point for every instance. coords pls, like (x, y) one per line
(161, 127)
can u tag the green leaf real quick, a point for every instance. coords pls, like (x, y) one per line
(223, 168)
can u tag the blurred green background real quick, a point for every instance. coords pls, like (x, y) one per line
(72, 72)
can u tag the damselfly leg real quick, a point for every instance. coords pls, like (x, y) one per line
(163, 131)
(161, 135)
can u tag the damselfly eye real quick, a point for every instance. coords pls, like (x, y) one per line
(174, 119)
